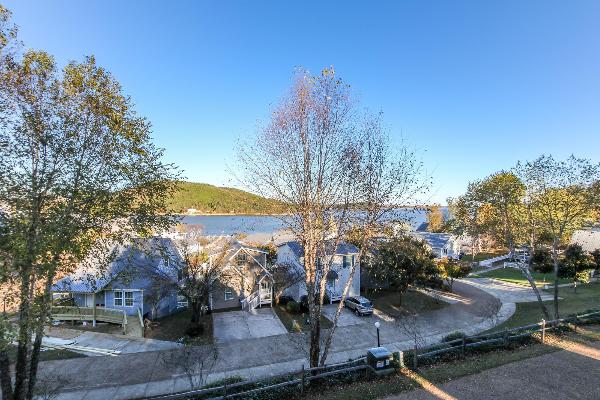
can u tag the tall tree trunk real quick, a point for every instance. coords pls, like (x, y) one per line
(24, 336)
(46, 299)
(5, 381)
(531, 281)
(555, 261)
(339, 308)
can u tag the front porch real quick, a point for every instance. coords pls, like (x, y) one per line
(262, 296)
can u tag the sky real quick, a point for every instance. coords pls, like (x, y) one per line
(471, 86)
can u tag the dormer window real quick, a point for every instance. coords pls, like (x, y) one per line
(242, 258)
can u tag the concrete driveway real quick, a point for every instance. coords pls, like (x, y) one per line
(347, 317)
(239, 325)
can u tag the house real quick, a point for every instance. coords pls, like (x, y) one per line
(441, 244)
(248, 283)
(117, 279)
(290, 255)
(588, 239)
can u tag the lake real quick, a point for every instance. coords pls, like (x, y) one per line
(248, 224)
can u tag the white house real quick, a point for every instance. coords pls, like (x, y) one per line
(291, 255)
(441, 244)
(588, 239)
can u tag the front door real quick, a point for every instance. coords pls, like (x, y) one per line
(265, 290)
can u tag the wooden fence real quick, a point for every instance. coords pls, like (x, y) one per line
(301, 378)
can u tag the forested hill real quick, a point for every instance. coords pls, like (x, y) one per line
(209, 199)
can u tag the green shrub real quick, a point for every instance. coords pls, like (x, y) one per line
(453, 336)
(293, 307)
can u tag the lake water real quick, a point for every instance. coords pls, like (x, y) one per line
(231, 224)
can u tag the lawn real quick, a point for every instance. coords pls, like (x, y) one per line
(441, 372)
(514, 275)
(586, 298)
(287, 319)
(412, 302)
(173, 328)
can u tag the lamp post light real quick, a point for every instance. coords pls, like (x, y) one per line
(377, 325)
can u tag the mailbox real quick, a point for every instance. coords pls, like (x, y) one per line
(379, 359)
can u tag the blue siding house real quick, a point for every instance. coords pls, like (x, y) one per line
(120, 280)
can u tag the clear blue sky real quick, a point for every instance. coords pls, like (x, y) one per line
(474, 86)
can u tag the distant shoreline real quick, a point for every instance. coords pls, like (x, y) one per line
(228, 215)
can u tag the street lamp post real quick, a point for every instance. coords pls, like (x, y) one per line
(377, 325)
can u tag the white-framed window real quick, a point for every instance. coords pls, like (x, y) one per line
(228, 294)
(128, 299)
(118, 298)
(346, 261)
(181, 301)
(242, 258)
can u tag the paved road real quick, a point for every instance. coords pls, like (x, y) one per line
(507, 292)
(139, 374)
(560, 375)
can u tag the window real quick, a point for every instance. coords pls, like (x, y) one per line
(228, 294)
(242, 258)
(118, 298)
(128, 299)
(345, 261)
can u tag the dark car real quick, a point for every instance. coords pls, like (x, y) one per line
(360, 305)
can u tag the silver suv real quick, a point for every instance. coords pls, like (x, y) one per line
(360, 305)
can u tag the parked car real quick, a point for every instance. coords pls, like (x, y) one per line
(360, 305)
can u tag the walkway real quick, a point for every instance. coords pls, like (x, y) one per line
(507, 292)
(101, 344)
(143, 374)
(560, 375)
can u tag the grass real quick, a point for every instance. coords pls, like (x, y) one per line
(287, 319)
(484, 256)
(445, 371)
(514, 275)
(587, 297)
(173, 328)
(47, 355)
(412, 302)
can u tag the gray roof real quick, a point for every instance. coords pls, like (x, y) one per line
(101, 267)
(589, 240)
(434, 240)
(342, 248)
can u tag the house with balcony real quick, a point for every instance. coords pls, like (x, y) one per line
(290, 255)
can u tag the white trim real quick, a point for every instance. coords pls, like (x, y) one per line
(115, 298)
(228, 291)
(125, 298)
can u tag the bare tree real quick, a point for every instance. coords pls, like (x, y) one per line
(193, 267)
(194, 362)
(335, 169)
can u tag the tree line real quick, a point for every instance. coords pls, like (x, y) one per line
(539, 204)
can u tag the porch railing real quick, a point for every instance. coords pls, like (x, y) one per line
(74, 313)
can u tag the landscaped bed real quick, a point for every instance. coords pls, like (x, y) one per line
(413, 302)
(287, 319)
(175, 328)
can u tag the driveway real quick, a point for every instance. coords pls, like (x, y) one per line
(506, 292)
(238, 325)
(347, 317)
